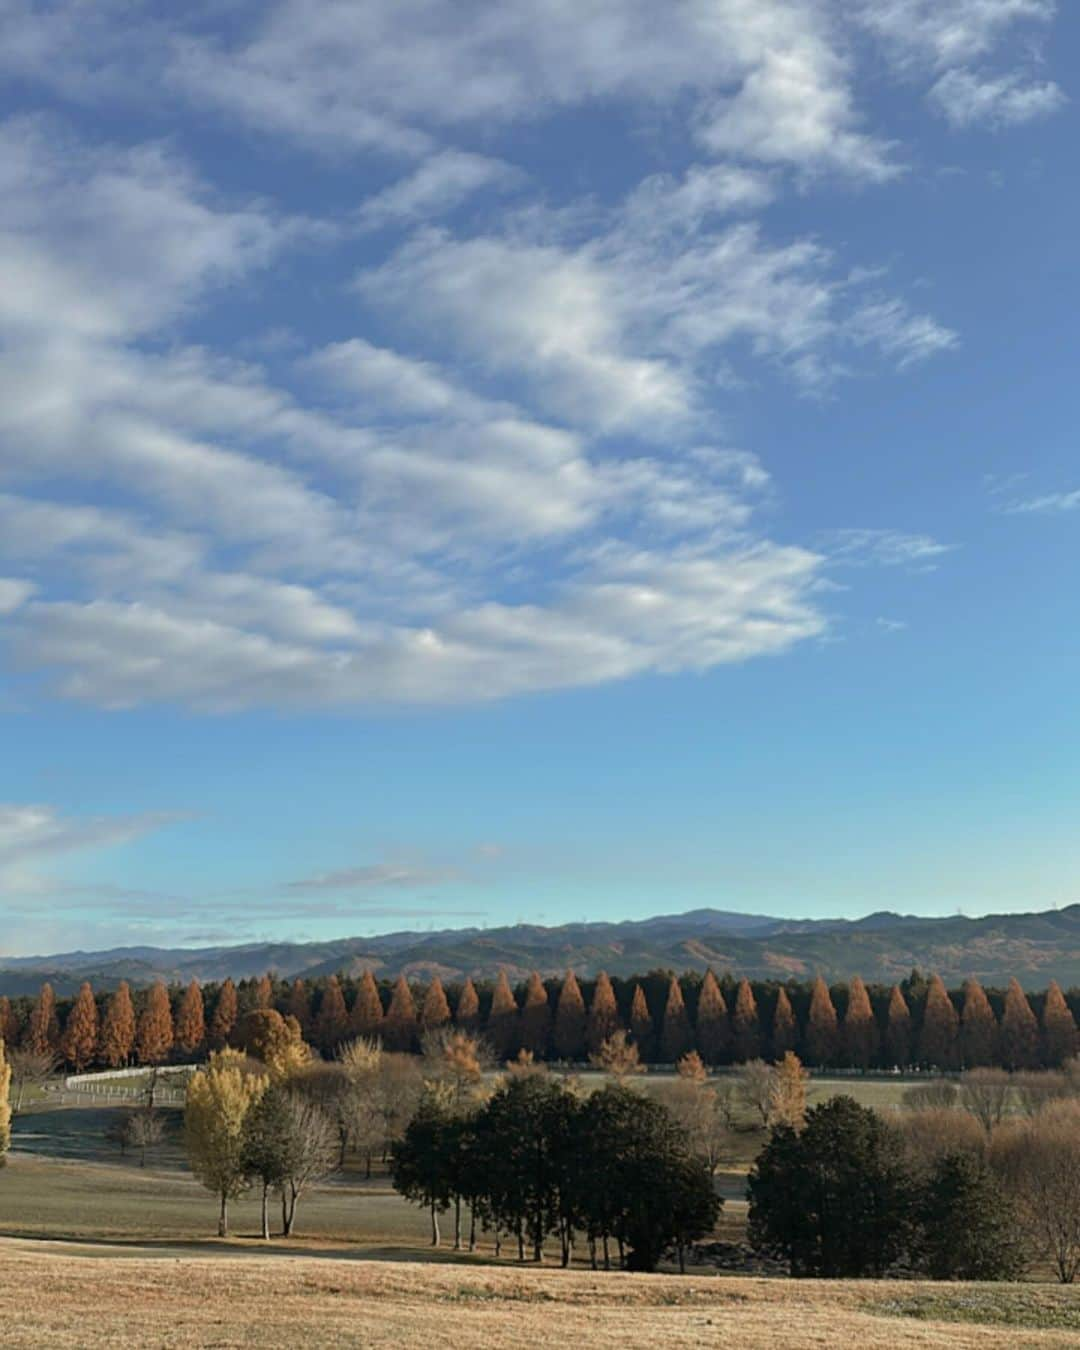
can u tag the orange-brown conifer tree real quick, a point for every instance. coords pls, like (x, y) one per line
(154, 1034)
(434, 1011)
(676, 1037)
(333, 1023)
(860, 1029)
(190, 1030)
(603, 1021)
(978, 1028)
(9, 1023)
(467, 1012)
(80, 1040)
(264, 992)
(399, 1026)
(785, 1030)
(939, 1041)
(118, 1029)
(641, 1023)
(226, 1012)
(502, 1022)
(745, 1028)
(898, 1030)
(535, 1018)
(43, 1029)
(366, 1018)
(1058, 1028)
(568, 1034)
(1019, 1030)
(713, 1029)
(298, 1005)
(822, 1033)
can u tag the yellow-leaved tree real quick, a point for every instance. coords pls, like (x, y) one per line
(5, 1104)
(219, 1098)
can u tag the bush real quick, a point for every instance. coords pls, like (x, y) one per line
(968, 1228)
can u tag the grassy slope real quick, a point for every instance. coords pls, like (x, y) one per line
(64, 1299)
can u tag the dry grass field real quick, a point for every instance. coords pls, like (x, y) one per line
(73, 1298)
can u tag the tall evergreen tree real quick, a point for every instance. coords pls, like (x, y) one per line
(568, 1034)
(785, 1030)
(898, 1030)
(676, 1037)
(939, 1040)
(190, 1029)
(467, 1012)
(860, 1030)
(535, 1018)
(745, 1030)
(118, 1029)
(603, 1021)
(978, 1028)
(43, 1029)
(641, 1023)
(333, 1022)
(226, 1011)
(502, 1024)
(264, 992)
(399, 1026)
(1058, 1028)
(434, 1011)
(367, 1018)
(298, 1005)
(154, 1034)
(713, 1030)
(80, 1040)
(822, 1034)
(1019, 1030)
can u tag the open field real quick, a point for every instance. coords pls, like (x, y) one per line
(66, 1298)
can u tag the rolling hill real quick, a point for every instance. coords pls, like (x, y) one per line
(881, 947)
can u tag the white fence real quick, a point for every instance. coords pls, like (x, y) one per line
(100, 1088)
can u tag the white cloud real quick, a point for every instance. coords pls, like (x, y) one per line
(885, 548)
(13, 593)
(948, 32)
(1050, 503)
(375, 876)
(34, 838)
(967, 98)
(442, 182)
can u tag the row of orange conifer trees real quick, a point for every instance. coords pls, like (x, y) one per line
(916, 1022)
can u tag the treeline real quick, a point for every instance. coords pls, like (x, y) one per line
(917, 1022)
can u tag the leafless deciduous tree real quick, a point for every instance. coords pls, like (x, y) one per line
(1038, 1160)
(756, 1080)
(29, 1068)
(937, 1094)
(934, 1133)
(985, 1093)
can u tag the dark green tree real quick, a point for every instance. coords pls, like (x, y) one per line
(836, 1199)
(967, 1227)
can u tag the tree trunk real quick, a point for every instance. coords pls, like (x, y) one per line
(434, 1225)
(472, 1229)
(607, 1254)
(498, 1242)
(592, 1252)
(457, 1223)
(223, 1217)
(622, 1254)
(682, 1259)
(521, 1241)
(266, 1212)
(294, 1195)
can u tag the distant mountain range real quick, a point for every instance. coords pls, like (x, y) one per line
(882, 947)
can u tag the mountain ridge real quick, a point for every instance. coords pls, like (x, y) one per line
(882, 947)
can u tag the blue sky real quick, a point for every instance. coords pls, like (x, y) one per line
(542, 466)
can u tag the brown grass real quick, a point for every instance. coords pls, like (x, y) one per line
(69, 1298)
